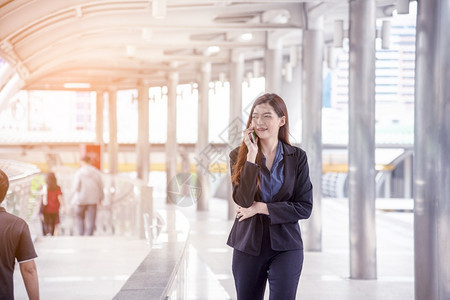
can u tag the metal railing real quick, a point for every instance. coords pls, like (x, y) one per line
(126, 210)
(19, 199)
(121, 213)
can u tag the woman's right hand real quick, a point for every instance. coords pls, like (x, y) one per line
(252, 147)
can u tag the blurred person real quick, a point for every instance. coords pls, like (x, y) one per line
(272, 190)
(87, 194)
(15, 243)
(50, 205)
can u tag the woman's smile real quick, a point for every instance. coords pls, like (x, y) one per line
(260, 130)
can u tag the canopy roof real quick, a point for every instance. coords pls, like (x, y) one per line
(120, 43)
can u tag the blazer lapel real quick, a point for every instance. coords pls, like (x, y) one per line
(289, 161)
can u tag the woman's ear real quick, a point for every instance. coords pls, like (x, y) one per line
(282, 121)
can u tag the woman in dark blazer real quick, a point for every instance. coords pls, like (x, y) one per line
(272, 190)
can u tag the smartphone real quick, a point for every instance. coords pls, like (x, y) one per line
(253, 137)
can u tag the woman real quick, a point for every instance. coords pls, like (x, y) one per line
(51, 204)
(272, 189)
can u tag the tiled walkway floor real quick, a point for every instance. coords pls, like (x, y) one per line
(325, 274)
(106, 262)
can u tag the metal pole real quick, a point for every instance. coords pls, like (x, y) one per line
(431, 156)
(236, 79)
(202, 143)
(143, 144)
(361, 155)
(312, 129)
(113, 147)
(171, 144)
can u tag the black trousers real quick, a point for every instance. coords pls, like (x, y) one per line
(281, 268)
(50, 221)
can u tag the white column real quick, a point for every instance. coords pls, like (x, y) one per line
(273, 64)
(236, 79)
(202, 143)
(171, 144)
(143, 139)
(99, 125)
(113, 147)
(312, 127)
(235, 123)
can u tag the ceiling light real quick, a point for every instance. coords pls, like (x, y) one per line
(159, 9)
(212, 50)
(79, 11)
(77, 85)
(246, 36)
(130, 50)
(276, 16)
(147, 34)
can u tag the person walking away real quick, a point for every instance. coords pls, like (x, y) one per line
(272, 190)
(15, 243)
(51, 204)
(87, 195)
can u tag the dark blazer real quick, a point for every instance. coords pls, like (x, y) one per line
(292, 203)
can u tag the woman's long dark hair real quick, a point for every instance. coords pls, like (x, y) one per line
(280, 109)
(52, 184)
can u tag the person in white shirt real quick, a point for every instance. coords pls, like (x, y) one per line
(87, 194)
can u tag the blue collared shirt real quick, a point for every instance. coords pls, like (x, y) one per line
(271, 181)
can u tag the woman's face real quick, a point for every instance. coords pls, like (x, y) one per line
(266, 122)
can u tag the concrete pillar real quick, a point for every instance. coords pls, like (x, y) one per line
(236, 80)
(312, 127)
(171, 144)
(99, 128)
(202, 143)
(273, 64)
(145, 221)
(185, 169)
(236, 121)
(292, 93)
(113, 146)
(143, 139)
(431, 152)
(361, 154)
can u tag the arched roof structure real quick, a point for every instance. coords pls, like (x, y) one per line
(49, 43)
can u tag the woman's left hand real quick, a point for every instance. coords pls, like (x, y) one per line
(256, 208)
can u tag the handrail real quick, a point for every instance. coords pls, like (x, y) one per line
(17, 171)
(169, 253)
(381, 175)
(126, 200)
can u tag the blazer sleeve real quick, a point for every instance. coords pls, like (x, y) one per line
(299, 206)
(244, 193)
